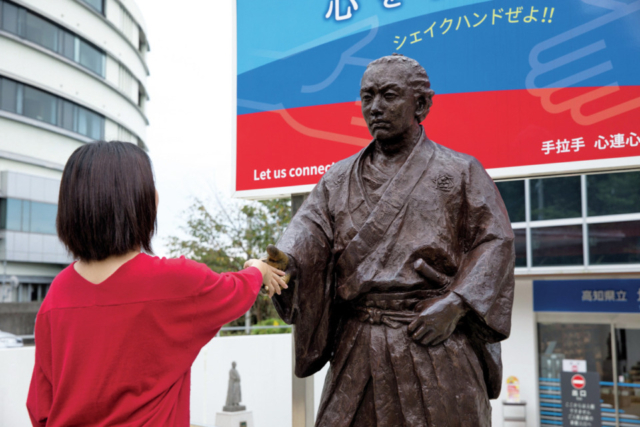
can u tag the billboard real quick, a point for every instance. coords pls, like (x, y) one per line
(526, 86)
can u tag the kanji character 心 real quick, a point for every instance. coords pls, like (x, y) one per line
(334, 5)
(601, 143)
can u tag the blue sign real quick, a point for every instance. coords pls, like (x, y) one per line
(590, 296)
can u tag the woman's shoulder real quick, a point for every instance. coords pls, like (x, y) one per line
(171, 269)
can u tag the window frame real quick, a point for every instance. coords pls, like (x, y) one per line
(22, 33)
(26, 216)
(584, 220)
(60, 120)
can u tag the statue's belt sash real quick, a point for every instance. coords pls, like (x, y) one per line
(394, 309)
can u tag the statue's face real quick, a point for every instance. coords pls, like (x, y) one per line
(388, 102)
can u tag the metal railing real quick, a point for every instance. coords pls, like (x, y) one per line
(248, 329)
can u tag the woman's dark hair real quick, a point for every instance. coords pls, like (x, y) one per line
(107, 203)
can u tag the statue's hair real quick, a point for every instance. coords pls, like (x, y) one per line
(419, 80)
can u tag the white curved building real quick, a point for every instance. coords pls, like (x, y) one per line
(71, 72)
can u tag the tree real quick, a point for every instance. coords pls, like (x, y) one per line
(227, 233)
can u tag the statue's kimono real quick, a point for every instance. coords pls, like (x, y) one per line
(352, 250)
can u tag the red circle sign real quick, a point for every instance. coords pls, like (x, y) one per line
(578, 381)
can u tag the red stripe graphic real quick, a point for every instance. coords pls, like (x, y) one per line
(501, 129)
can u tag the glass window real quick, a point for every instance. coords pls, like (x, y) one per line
(40, 105)
(11, 18)
(628, 349)
(26, 215)
(91, 58)
(592, 343)
(555, 198)
(11, 214)
(613, 193)
(89, 123)
(614, 243)
(9, 95)
(67, 114)
(68, 45)
(43, 218)
(96, 4)
(32, 27)
(521, 247)
(42, 32)
(37, 104)
(512, 193)
(554, 246)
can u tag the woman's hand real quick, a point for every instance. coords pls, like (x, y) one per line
(271, 276)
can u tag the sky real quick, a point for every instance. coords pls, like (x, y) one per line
(192, 120)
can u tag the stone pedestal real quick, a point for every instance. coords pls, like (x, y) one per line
(234, 419)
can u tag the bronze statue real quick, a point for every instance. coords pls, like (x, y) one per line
(401, 271)
(234, 393)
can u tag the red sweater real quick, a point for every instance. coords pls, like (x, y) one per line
(119, 353)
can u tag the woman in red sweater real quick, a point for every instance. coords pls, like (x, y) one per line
(119, 329)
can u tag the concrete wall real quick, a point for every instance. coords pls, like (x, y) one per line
(267, 390)
(519, 355)
(19, 318)
(16, 366)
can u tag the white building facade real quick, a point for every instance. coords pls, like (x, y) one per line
(71, 72)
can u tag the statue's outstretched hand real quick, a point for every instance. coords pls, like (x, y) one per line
(278, 259)
(272, 278)
(437, 319)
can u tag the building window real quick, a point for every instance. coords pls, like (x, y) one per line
(521, 247)
(40, 105)
(35, 28)
(513, 195)
(614, 243)
(555, 198)
(588, 220)
(613, 193)
(96, 4)
(28, 216)
(557, 246)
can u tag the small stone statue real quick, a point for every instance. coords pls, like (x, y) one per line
(234, 393)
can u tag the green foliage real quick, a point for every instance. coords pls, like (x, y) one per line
(224, 234)
(271, 322)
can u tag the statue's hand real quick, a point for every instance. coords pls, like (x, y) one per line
(437, 319)
(272, 278)
(278, 259)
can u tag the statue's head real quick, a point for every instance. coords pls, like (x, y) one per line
(233, 365)
(396, 95)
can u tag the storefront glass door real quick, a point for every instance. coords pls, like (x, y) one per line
(589, 342)
(628, 372)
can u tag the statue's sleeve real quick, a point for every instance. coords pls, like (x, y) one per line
(485, 280)
(308, 302)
